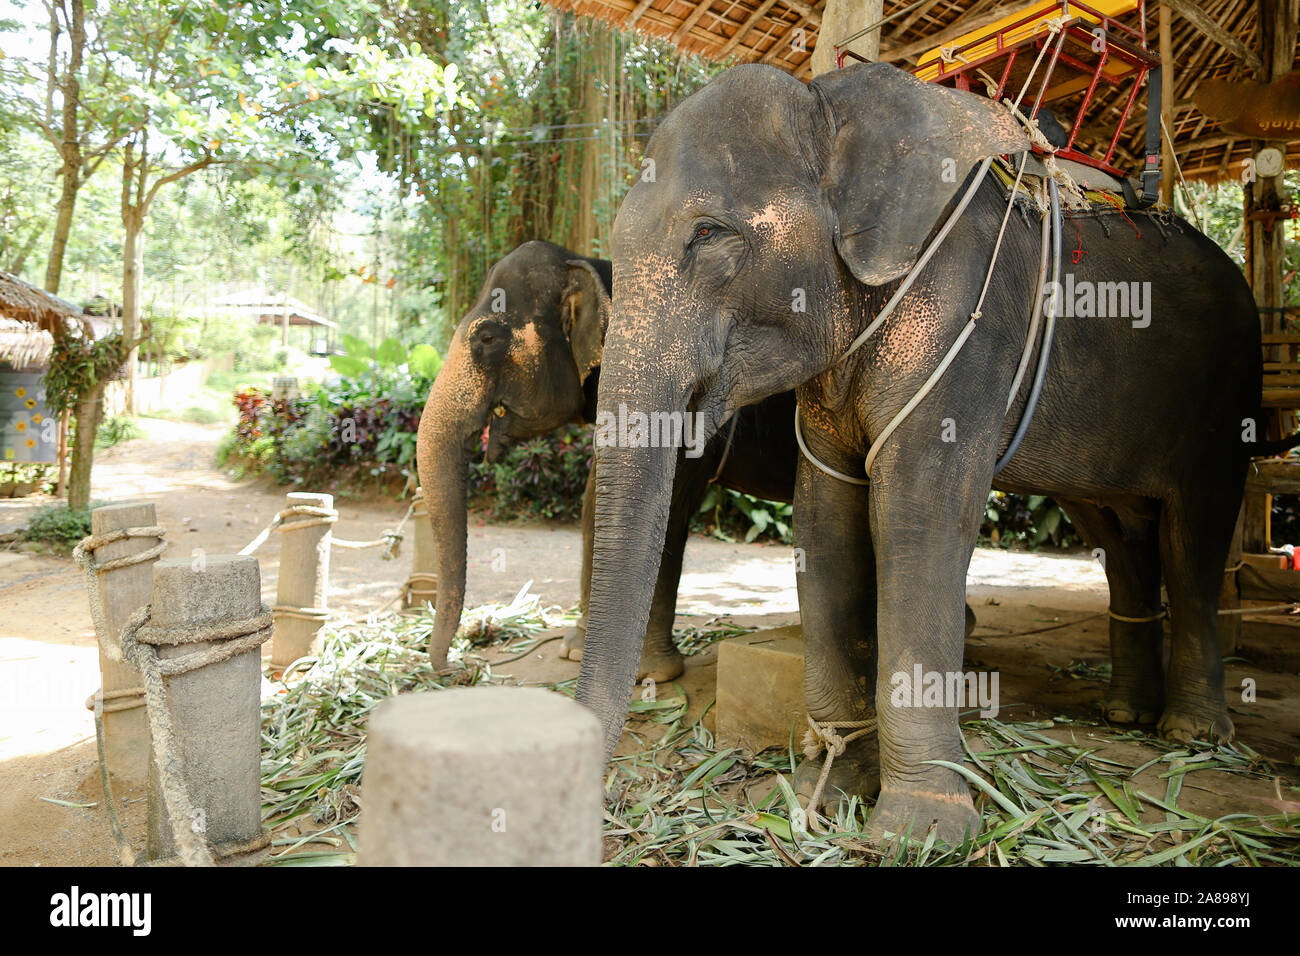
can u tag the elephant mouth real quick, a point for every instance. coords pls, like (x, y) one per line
(498, 441)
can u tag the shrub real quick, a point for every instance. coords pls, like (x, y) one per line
(540, 478)
(1028, 519)
(113, 431)
(59, 524)
(727, 514)
(360, 425)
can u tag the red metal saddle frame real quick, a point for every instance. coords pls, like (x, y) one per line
(1125, 44)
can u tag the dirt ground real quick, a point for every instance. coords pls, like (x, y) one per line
(48, 660)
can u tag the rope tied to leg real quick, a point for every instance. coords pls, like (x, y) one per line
(822, 736)
(1158, 616)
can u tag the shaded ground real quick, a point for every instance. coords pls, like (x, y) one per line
(48, 663)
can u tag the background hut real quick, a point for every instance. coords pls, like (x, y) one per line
(29, 320)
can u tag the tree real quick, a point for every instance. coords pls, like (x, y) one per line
(73, 93)
(254, 84)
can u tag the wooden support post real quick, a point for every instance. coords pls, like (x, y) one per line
(122, 592)
(1264, 245)
(841, 19)
(1168, 94)
(1230, 595)
(302, 595)
(422, 584)
(214, 710)
(483, 776)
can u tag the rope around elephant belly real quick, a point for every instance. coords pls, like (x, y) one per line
(821, 735)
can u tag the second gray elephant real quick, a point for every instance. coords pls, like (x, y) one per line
(524, 360)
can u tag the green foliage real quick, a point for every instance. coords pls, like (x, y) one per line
(357, 425)
(113, 431)
(726, 514)
(77, 365)
(542, 478)
(1027, 519)
(59, 524)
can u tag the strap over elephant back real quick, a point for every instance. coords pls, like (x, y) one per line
(901, 151)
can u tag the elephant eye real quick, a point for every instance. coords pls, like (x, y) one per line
(704, 232)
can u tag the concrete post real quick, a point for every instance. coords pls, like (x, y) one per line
(302, 594)
(123, 591)
(214, 710)
(483, 776)
(422, 584)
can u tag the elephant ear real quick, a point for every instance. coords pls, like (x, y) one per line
(585, 313)
(902, 148)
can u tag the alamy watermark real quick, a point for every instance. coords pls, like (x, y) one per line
(1102, 300)
(631, 429)
(952, 689)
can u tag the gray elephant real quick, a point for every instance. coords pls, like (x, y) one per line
(781, 219)
(526, 359)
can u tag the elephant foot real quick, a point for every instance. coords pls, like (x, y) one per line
(856, 772)
(659, 664)
(1182, 726)
(1130, 706)
(571, 646)
(913, 810)
(970, 620)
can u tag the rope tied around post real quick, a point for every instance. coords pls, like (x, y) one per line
(316, 516)
(823, 736)
(84, 555)
(139, 641)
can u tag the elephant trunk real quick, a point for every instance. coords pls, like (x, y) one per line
(452, 421)
(633, 496)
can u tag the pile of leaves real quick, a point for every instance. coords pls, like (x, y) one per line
(683, 801)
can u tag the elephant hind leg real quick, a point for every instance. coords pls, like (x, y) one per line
(1195, 534)
(1129, 544)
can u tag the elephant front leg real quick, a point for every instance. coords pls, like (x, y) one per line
(660, 659)
(836, 576)
(924, 520)
(575, 637)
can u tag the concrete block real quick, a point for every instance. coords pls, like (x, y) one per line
(483, 776)
(215, 710)
(122, 592)
(760, 689)
(304, 580)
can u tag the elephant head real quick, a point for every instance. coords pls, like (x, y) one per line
(520, 363)
(746, 265)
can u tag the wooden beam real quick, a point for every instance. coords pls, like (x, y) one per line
(911, 50)
(785, 43)
(911, 18)
(641, 8)
(809, 11)
(1168, 90)
(1193, 14)
(691, 20)
(745, 27)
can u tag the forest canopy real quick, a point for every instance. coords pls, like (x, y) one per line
(371, 159)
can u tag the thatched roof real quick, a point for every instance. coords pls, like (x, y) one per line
(23, 302)
(1212, 39)
(28, 317)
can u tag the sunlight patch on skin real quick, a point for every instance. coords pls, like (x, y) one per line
(776, 223)
(911, 340)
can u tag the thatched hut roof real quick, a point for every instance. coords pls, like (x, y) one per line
(28, 319)
(1212, 40)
